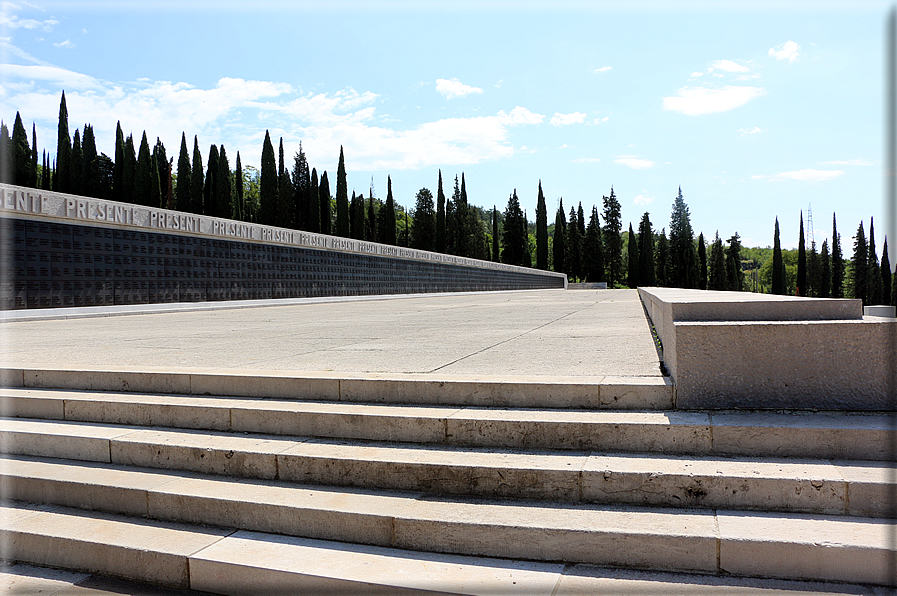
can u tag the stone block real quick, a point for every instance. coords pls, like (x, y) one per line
(57, 439)
(25, 403)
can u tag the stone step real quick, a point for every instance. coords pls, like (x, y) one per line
(811, 435)
(602, 392)
(791, 546)
(845, 487)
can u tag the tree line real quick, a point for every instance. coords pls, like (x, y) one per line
(292, 195)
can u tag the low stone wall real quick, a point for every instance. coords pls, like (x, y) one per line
(742, 350)
(60, 250)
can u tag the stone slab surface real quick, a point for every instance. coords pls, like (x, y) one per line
(550, 333)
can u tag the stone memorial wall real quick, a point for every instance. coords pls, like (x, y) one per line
(60, 250)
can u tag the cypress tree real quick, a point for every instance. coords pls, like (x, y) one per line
(496, 250)
(814, 271)
(90, 165)
(21, 153)
(196, 180)
(225, 207)
(581, 220)
(801, 261)
(76, 184)
(388, 230)
(633, 255)
(357, 217)
(160, 156)
(825, 274)
(719, 277)
(301, 185)
(129, 172)
(733, 264)
(239, 208)
(210, 187)
(462, 213)
(440, 218)
(268, 183)
(423, 226)
(514, 243)
(326, 209)
(778, 264)
(860, 274)
(155, 197)
(593, 250)
(33, 182)
(450, 223)
(560, 233)
(702, 262)
(182, 199)
(143, 181)
(662, 259)
(313, 199)
(7, 170)
(573, 245)
(837, 262)
(45, 176)
(286, 217)
(371, 229)
(541, 231)
(342, 202)
(683, 260)
(646, 252)
(875, 291)
(118, 170)
(885, 269)
(613, 239)
(63, 150)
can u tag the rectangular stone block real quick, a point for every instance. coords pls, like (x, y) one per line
(458, 471)
(210, 453)
(12, 377)
(869, 485)
(262, 384)
(154, 552)
(109, 380)
(25, 403)
(659, 539)
(806, 547)
(57, 439)
(250, 563)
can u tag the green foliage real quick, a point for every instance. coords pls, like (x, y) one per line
(875, 285)
(371, 233)
(423, 227)
(733, 264)
(885, 274)
(63, 150)
(613, 239)
(702, 262)
(662, 259)
(268, 183)
(239, 195)
(21, 153)
(75, 169)
(129, 172)
(593, 249)
(286, 217)
(143, 174)
(632, 259)
(778, 264)
(210, 188)
(802, 261)
(342, 201)
(313, 222)
(514, 241)
(118, 171)
(559, 236)
(462, 217)
(356, 217)
(224, 207)
(496, 250)
(719, 276)
(541, 231)
(825, 276)
(646, 274)
(573, 245)
(838, 273)
(182, 193)
(196, 179)
(326, 205)
(859, 280)
(440, 217)
(388, 223)
(683, 272)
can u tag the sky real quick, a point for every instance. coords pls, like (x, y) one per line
(756, 110)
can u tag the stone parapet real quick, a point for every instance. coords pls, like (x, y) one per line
(741, 350)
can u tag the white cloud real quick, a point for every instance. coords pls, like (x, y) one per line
(750, 131)
(564, 146)
(695, 101)
(697, 74)
(728, 66)
(322, 121)
(601, 120)
(452, 88)
(848, 162)
(602, 69)
(643, 199)
(789, 51)
(636, 163)
(808, 175)
(11, 21)
(564, 119)
(747, 77)
(587, 160)
(67, 44)
(498, 84)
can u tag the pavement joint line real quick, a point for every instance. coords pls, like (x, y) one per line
(83, 312)
(509, 339)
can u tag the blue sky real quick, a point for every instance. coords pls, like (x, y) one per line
(756, 109)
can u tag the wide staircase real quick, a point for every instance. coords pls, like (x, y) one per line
(242, 485)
